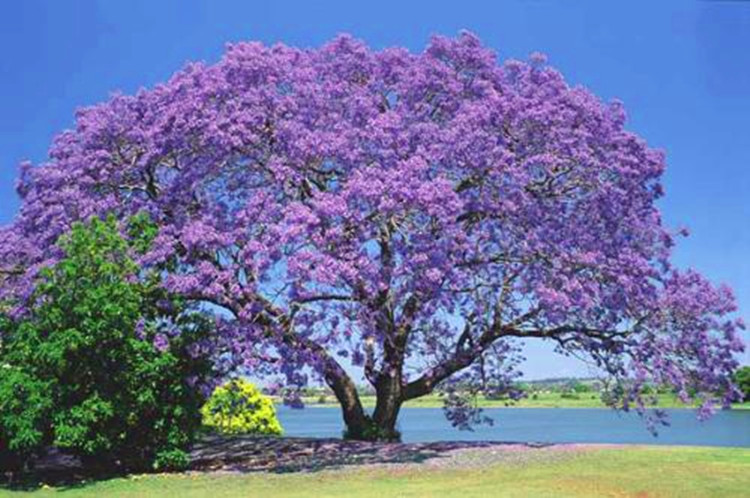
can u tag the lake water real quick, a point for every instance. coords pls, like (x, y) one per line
(546, 425)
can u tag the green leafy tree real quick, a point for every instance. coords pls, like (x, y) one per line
(104, 363)
(579, 387)
(238, 407)
(742, 379)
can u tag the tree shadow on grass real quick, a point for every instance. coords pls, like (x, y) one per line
(55, 468)
(254, 454)
(284, 455)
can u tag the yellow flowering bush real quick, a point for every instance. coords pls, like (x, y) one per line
(238, 407)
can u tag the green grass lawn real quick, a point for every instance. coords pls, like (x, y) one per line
(633, 471)
(543, 400)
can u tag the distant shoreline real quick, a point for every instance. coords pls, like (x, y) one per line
(552, 400)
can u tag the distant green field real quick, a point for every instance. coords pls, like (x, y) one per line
(542, 400)
(619, 472)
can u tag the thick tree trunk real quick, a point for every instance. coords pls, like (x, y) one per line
(381, 426)
(356, 420)
(387, 407)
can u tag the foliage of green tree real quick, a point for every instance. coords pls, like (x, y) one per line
(580, 387)
(238, 407)
(103, 364)
(742, 379)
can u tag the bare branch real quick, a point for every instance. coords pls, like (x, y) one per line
(325, 297)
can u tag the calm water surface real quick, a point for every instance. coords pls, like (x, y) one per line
(549, 425)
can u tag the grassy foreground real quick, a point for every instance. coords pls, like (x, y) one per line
(542, 400)
(607, 471)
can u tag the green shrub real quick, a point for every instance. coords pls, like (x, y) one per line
(569, 395)
(83, 369)
(25, 404)
(238, 407)
(173, 459)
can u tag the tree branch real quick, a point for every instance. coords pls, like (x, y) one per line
(324, 297)
(464, 357)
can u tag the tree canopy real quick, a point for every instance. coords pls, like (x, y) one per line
(410, 213)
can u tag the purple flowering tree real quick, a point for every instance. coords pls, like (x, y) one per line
(410, 214)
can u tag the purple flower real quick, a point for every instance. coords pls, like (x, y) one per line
(140, 329)
(161, 342)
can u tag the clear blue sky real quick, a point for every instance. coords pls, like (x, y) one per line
(681, 67)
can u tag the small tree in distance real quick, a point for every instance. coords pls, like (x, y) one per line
(412, 214)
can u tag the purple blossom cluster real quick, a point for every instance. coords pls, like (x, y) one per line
(409, 213)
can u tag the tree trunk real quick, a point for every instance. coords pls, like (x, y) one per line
(381, 426)
(387, 407)
(360, 426)
(356, 420)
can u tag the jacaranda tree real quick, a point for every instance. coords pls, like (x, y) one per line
(412, 214)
